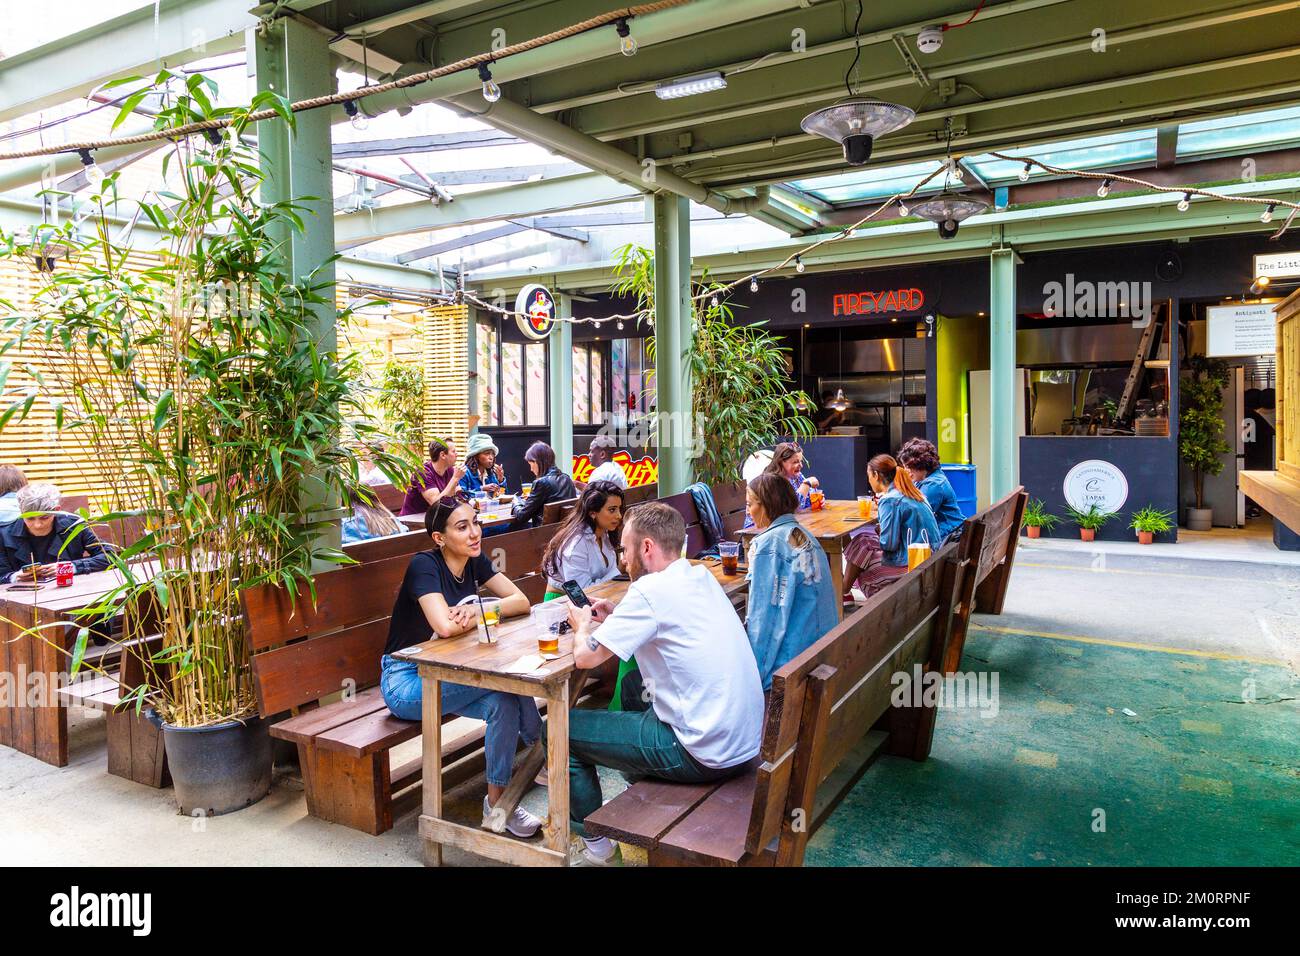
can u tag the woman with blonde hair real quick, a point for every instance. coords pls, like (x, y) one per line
(903, 517)
(369, 519)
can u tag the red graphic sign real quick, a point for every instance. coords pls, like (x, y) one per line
(643, 472)
(872, 303)
(536, 306)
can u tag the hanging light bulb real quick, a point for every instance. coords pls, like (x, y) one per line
(1185, 203)
(491, 92)
(1024, 173)
(360, 122)
(1104, 189)
(753, 285)
(626, 42)
(802, 404)
(839, 402)
(1267, 214)
(713, 302)
(957, 172)
(94, 172)
(214, 136)
(798, 264)
(902, 209)
(620, 325)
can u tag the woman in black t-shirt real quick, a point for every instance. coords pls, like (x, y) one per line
(429, 604)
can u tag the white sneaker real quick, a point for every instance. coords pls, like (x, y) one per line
(583, 852)
(521, 823)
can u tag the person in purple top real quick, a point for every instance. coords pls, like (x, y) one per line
(439, 479)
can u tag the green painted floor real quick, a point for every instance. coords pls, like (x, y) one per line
(1198, 778)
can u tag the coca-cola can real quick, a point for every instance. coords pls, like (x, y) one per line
(63, 574)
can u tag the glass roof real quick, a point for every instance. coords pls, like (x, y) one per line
(866, 185)
(1227, 134)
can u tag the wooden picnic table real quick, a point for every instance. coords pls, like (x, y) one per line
(832, 525)
(39, 727)
(463, 660)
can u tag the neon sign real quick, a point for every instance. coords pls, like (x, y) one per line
(643, 472)
(886, 300)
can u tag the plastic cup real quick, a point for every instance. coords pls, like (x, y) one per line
(526, 489)
(488, 620)
(865, 504)
(816, 499)
(729, 552)
(547, 619)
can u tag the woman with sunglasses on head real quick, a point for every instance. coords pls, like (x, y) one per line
(787, 463)
(438, 598)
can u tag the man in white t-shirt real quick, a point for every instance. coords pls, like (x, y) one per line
(601, 454)
(705, 716)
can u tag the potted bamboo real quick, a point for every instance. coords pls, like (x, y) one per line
(1089, 521)
(1149, 522)
(213, 416)
(1037, 517)
(1200, 430)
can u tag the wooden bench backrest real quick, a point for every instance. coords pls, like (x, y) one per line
(518, 555)
(1001, 532)
(684, 504)
(390, 496)
(729, 499)
(390, 546)
(555, 511)
(639, 493)
(896, 629)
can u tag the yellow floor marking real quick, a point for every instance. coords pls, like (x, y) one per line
(1154, 574)
(1189, 665)
(1129, 645)
(1055, 707)
(1036, 758)
(1069, 651)
(1220, 788)
(1202, 726)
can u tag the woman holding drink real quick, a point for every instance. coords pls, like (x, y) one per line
(438, 597)
(791, 598)
(903, 517)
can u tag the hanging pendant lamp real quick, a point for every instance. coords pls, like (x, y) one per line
(948, 209)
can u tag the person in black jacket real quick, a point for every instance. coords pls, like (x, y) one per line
(33, 547)
(549, 484)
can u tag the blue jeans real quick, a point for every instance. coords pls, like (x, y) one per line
(508, 716)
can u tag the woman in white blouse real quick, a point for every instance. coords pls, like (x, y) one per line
(583, 549)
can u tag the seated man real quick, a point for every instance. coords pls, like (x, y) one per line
(705, 716)
(31, 548)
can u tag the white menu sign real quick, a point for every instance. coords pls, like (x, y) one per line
(1240, 330)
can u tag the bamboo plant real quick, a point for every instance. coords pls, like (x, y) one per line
(740, 374)
(199, 393)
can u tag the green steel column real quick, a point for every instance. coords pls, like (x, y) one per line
(293, 60)
(559, 363)
(1002, 372)
(673, 335)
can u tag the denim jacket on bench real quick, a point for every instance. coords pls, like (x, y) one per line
(792, 602)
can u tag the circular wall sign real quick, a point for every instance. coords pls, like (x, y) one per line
(538, 308)
(1095, 482)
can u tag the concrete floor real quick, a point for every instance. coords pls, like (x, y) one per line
(1197, 776)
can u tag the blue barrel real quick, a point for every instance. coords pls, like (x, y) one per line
(962, 479)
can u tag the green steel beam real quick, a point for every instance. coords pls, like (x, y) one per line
(528, 199)
(73, 65)
(559, 364)
(673, 339)
(1001, 415)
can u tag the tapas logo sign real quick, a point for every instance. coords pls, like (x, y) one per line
(872, 303)
(538, 308)
(643, 472)
(1095, 482)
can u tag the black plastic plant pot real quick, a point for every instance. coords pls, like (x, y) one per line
(220, 768)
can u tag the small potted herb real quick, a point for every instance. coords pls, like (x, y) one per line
(1037, 517)
(1149, 522)
(1089, 521)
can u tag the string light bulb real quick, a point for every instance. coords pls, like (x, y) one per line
(360, 122)
(958, 173)
(713, 302)
(798, 263)
(619, 325)
(1024, 173)
(94, 172)
(214, 136)
(1185, 203)
(902, 208)
(753, 285)
(491, 92)
(1267, 214)
(1104, 189)
(626, 42)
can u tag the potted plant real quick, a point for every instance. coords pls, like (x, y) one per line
(1089, 521)
(214, 416)
(740, 374)
(1037, 517)
(1149, 521)
(1200, 430)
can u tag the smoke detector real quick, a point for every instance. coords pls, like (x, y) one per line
(930, 38)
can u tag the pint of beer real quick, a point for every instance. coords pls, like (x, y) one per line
(729, 552)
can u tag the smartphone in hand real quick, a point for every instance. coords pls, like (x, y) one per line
(575, 594)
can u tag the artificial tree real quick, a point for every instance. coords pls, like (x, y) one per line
(1200, 422)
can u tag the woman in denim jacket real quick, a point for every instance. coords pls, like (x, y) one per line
(791, 598)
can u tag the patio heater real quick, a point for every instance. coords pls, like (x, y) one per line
(949, 209)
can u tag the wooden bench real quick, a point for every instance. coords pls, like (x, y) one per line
(993, 535)
(553, 512)
(390, 496)
(639, 493)
(828, 716)
(730, 502)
